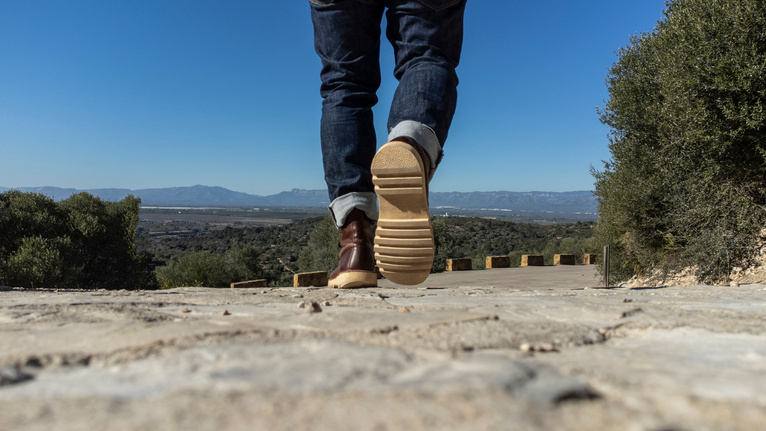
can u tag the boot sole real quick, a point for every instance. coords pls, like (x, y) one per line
(404, 239)
(354, 279)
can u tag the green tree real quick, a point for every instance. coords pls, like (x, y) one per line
(686, 182)
(104, 233)
(24, 215)
(42, 262)
(81, 242)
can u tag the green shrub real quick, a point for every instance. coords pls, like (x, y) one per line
(41, 262)
(446, 245)
(686, 182)
(206, 269)
(515, 257)
(321, 253)
(478, 262)
(80, 242)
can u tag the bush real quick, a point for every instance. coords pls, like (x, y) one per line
(686, 183)
(515, 257)
(321, 253)
(478, 262)
(206, 269)
(445, 244)
(81, 242)
(40, 262)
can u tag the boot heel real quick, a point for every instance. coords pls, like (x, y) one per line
(352, 280)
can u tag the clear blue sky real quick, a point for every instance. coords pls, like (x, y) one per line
(159, 93)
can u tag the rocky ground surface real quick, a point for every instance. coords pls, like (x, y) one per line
(506, 349)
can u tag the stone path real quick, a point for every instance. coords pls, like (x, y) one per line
(506, 349)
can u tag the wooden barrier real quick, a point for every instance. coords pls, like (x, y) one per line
(460, 264)
(532, 260)
(498, 262)
(310, 279)
(249, 284)
(589, 259)
(564, 259)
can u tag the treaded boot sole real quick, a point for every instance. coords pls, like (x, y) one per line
(354, 279)
(404, 239)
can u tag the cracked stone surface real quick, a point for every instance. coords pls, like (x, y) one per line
(512, 349)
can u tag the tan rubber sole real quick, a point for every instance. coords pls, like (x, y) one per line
(404, 239)
(354, 279)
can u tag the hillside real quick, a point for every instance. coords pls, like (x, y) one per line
(534, 202)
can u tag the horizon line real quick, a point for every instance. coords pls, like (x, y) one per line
(252, 194)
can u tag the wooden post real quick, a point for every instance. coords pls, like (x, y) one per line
(531, 260)
(564, 259)
(498, 262)
(459, 264)
(606, 266)
(309, 279)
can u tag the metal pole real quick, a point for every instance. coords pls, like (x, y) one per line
(606, 266)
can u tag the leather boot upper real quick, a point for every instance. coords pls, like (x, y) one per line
(357, 252)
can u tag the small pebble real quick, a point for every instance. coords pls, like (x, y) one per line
(734, 284)
(626, 300)
(404, 310)
(297, 296)
(326, 304)
(543, 348)
(186, 310)
(225, 313)
(301, 304)
(631, 313)
(313, 308)
(12, 375)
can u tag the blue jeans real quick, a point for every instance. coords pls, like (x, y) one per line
(427, 38)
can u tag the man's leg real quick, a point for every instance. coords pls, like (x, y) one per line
(347, 40)
(427, 39)
(427, 43)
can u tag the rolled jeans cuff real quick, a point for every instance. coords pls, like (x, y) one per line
(342, 205)
(422, 134)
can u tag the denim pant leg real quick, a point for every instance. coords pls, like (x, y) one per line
(347, 40)
(427, 36)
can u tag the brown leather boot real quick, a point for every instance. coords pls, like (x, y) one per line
(357, 259)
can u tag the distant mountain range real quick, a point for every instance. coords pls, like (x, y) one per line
(568, 202)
